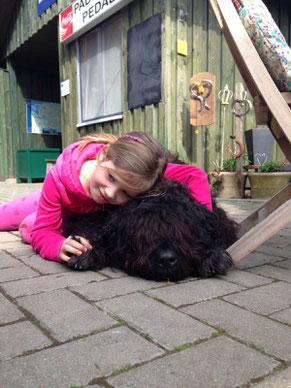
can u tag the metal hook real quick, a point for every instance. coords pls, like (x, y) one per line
(203, 103)
(241, 102)
(241, 148)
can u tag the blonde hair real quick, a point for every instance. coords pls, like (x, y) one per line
(139, 159)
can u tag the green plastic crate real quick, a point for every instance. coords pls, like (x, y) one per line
(31, 162)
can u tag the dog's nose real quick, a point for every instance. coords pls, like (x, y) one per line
(167, 259)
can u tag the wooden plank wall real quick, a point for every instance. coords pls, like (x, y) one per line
(5, 128)
(28, 84)
(168, 120)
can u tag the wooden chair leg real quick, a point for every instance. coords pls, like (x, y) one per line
(261, 232)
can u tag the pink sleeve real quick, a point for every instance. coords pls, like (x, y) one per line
(194, 178)
(46, 236)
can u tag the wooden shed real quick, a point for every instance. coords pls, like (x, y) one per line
(115, 66)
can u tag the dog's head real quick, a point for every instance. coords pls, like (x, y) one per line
(167, 235)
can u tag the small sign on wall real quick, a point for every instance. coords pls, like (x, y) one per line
(65, 88)
(43, 117)
(182, 47)
(81, 16)
(42, 5)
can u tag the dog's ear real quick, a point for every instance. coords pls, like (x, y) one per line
(216, 262)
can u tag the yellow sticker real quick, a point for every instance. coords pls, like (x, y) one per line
(196, 131)
(182, 47)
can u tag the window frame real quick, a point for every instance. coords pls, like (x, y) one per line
(105, 118)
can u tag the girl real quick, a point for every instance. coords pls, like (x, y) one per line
(100, 169)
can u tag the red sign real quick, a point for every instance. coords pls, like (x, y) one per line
(66, 22)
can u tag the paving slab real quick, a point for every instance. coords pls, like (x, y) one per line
(279, 380)
(44, 267)
(245, 279)
(112, 272)
(8, 237)
(280, 240)
(273, 337)
(16, 273)
(273, 272)
(274, 251)
(23, 251)
(157, 320)
(283, 264)
(283, 316)
(79, 362)
(65, 315)
(203, 365)
(49, 283)
(8, 311)
(264, 300)
(111, 288)
(7, 261)
(194, 291)
(256, 259)
(10, 245)
(19, 338)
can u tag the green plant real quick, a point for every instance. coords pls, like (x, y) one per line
(229, 164)
(271, 167)
(215, 179)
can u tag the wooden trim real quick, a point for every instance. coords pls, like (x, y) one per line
(261, 232)
(265, 210)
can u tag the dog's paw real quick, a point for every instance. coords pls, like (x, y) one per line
(82, 262)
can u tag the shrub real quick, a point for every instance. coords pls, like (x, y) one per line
(271, 167)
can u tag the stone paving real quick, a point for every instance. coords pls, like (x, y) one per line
(60, 328)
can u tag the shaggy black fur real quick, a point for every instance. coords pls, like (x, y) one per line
(164, 235)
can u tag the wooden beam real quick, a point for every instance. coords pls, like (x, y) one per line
(261, 232)
(265, 210)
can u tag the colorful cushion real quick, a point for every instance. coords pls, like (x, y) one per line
(268, 40)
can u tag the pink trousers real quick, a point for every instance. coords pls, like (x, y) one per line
(20, 214)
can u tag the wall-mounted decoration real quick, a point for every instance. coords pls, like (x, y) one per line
(43, 117)
(144, 63)
(42, 5)
(202, 99)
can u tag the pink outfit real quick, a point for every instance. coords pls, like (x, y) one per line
(63, 195)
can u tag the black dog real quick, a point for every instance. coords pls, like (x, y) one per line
(162, 235)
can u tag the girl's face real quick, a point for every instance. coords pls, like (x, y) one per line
(104, 188)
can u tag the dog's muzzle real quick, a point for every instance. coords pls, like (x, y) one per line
(164, 263)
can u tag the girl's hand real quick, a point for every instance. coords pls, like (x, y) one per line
(74, 247)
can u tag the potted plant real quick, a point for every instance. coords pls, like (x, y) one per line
(223, 181)
(270, 178)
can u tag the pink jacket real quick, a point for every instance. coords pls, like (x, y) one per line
(63, 194)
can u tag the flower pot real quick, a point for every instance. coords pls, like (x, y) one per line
(266, 184)
(230, 186)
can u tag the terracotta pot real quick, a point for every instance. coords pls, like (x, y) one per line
(230, 186)
(266, 184)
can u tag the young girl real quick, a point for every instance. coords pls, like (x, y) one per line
(100, 169)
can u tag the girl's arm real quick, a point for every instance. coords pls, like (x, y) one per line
(47, 233)
(193, 177)
(46, 236)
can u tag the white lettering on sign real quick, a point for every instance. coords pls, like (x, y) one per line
(82, 15)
